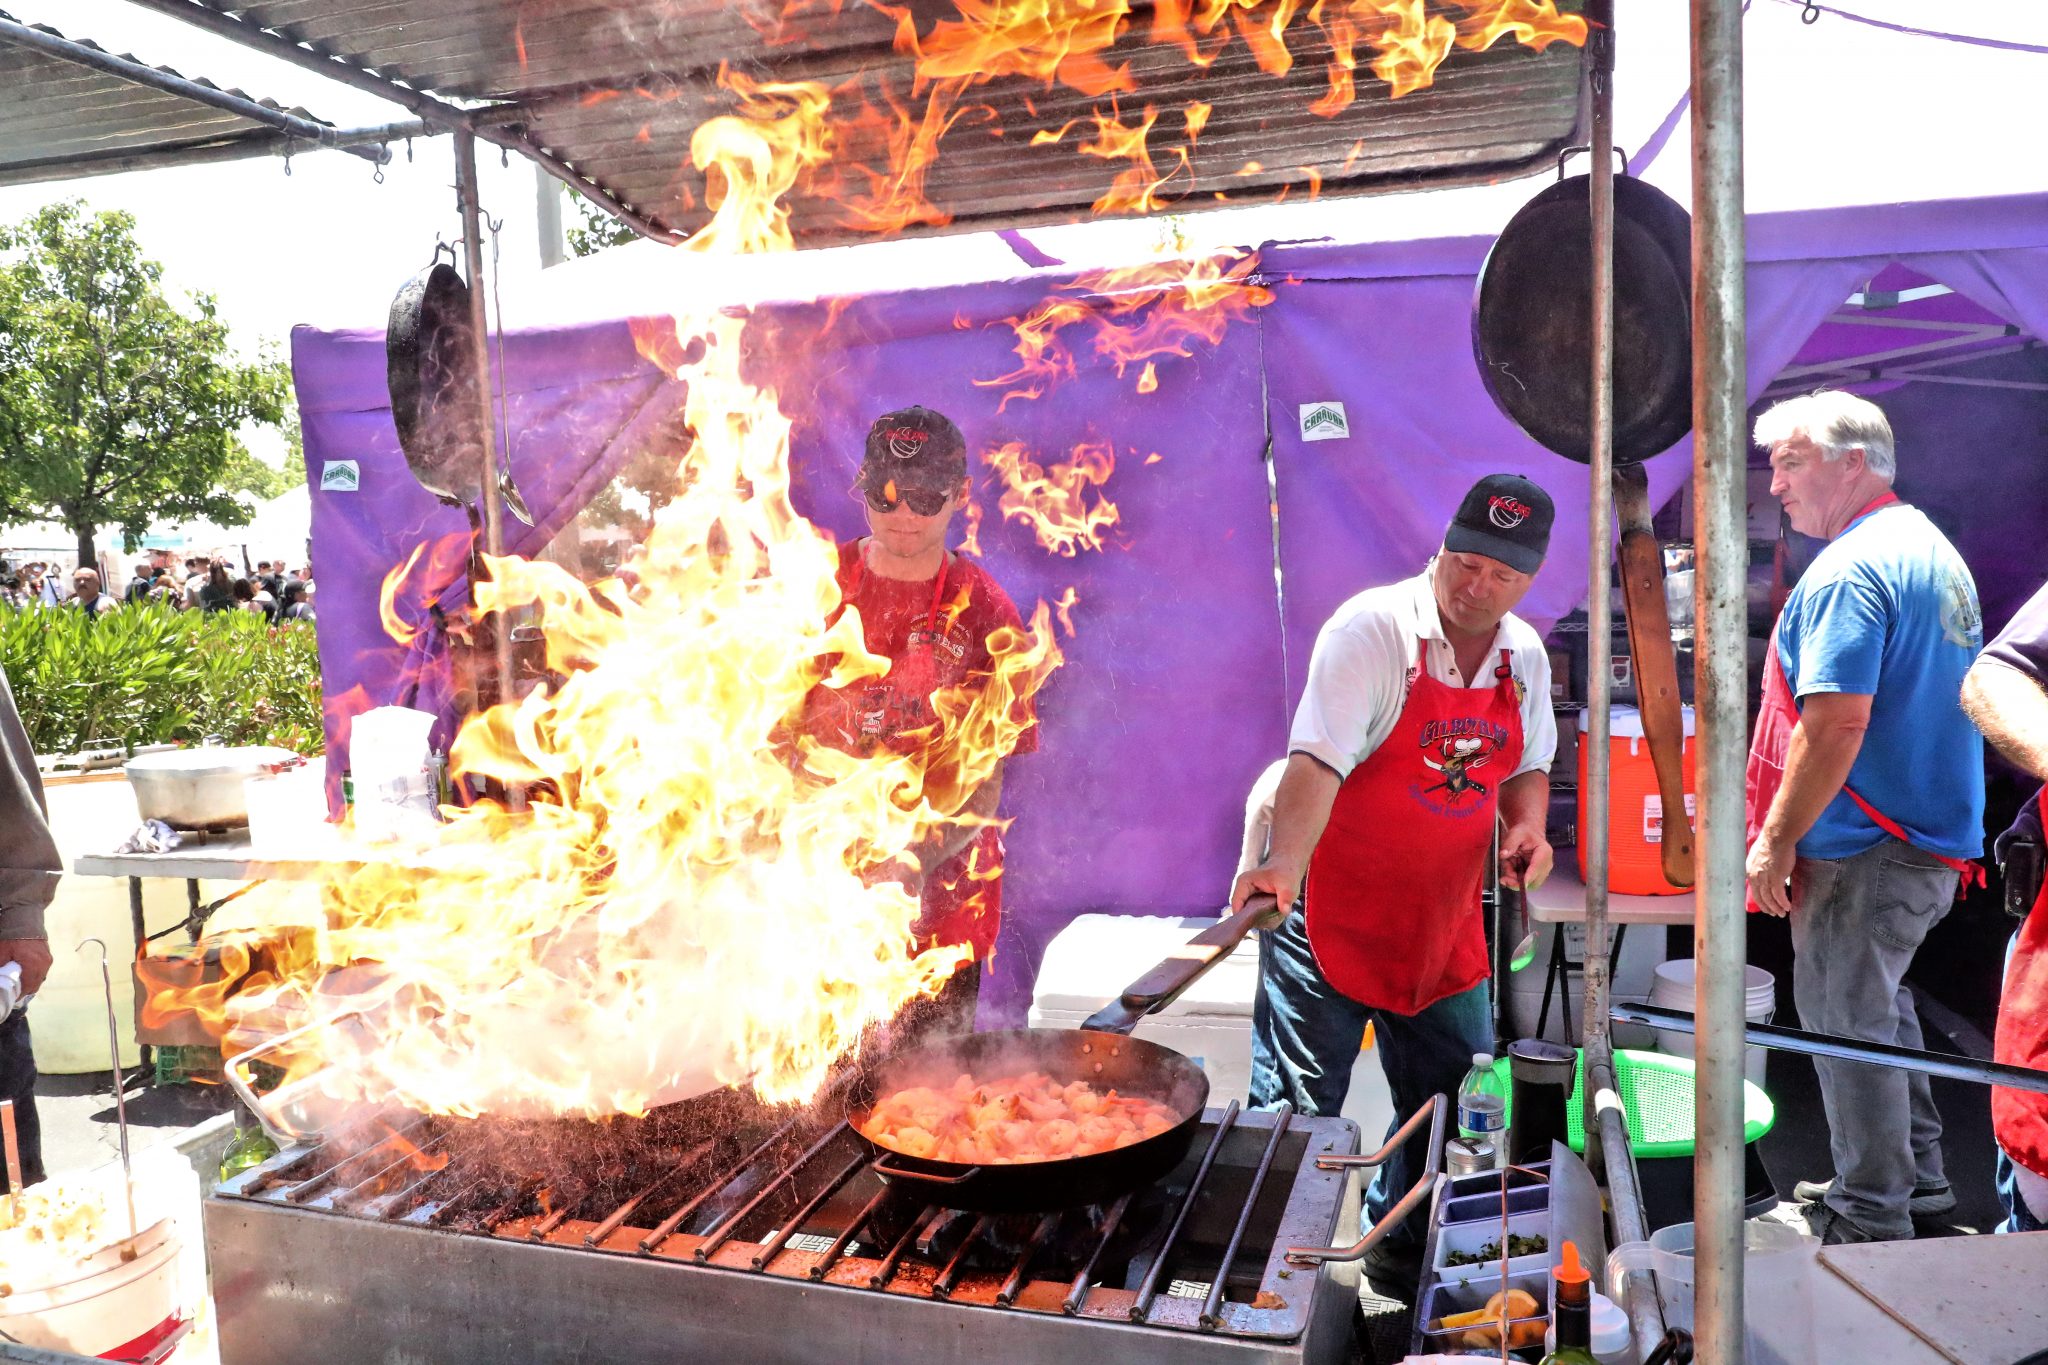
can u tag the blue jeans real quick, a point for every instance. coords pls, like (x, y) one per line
(18, 1083)
(2018, 1217)
(1306, 1035)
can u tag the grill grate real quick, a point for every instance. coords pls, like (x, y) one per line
(797, 1198)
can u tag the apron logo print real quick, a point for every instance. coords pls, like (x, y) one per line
(1506, 512)
(1457, 748)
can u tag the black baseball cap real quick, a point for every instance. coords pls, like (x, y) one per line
(914, 448)
(1504, 517)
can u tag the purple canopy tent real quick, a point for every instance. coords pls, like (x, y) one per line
(1177, 691)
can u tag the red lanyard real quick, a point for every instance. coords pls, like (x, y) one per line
(1884, 499)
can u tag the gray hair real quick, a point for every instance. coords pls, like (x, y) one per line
(1837, 422)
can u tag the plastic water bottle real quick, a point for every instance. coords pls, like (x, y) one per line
(10, 989)
(1483, 1106)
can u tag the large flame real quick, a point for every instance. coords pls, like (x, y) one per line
(697, 894)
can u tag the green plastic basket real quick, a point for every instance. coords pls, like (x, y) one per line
(1657, 1092)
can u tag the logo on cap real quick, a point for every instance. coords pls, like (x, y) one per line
(905, 443)
(1506, 512)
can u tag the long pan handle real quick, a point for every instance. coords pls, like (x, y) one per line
(1656, 668)
(1162, 985)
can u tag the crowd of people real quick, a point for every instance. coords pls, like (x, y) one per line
(272, 589)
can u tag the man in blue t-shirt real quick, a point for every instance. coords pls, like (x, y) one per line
(1881, 801)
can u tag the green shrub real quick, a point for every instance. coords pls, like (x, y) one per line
(148, 674)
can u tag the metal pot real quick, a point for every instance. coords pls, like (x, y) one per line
(202, 788)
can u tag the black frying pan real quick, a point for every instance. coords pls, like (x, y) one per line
(1532, 336)
(430, 368)
(1101, 1053)
(1532, 320)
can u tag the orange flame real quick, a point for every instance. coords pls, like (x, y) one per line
(1136, 314)
(1080, 45)
(1055, 501)
(699, 893)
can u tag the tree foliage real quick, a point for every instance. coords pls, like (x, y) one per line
(596, 231)
(117, 406)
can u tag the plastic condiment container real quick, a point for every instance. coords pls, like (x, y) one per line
(1611, 1339)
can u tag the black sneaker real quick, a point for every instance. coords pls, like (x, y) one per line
(1835, 1228)
(1928, 1201)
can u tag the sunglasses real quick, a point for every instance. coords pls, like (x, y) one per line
(924, 502)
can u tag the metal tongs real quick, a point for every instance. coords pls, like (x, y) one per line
(120, 1093)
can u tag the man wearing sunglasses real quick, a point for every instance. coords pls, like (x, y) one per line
(931, 613)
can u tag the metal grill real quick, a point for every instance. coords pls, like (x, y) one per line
(783, 1226)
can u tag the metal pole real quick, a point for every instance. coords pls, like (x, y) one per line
(487, 428)
(230, 148)
(437, 112)
(1951, 1065)
(155, 78)
(1719, 474)
(1624, 1202)
(1600, 57)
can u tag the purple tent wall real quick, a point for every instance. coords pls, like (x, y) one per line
(1174, 695)
(570, 395)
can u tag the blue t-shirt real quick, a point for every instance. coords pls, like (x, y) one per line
(1888, 610)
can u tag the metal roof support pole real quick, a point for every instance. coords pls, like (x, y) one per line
(1719, 458)
(479, 321)
(171, 83)
(435, 111)
(1608, 1148)
(1600, 76)
(1593, 831)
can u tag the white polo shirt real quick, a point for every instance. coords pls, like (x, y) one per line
(1358, 677)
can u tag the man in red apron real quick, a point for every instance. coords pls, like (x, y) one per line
(1866, 799)
(2006, 694)
(1425, 721)
(931, 612)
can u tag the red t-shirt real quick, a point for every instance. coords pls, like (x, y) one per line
(935, 633)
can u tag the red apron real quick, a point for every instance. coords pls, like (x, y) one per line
(1772, 743)
(2019, 1118)
(1394, 883)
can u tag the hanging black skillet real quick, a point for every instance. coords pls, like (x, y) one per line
(1532, 336)
(430, 361)
(1531, 320)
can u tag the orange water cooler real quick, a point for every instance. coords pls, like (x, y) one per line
(1635, 812)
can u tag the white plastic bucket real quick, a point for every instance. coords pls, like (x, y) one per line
(1674, 987)
(111, 1300)
(1777, 1293)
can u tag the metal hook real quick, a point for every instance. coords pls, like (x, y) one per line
(408, 151)
(377, 176)
(287, 165)
(504, 158)
(120, 1082)
(1810, 13)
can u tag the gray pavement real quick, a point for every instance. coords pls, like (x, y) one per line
(79, 1118)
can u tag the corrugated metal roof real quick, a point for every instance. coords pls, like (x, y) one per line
(616, 88)
(59, 119)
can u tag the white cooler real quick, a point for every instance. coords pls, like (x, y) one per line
(1095, 957)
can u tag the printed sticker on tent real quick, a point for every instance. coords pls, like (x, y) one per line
(1324, 422)
(1653, 816)
(340, 476)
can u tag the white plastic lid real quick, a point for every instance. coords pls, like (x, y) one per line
(1482, 1059)
(1610, 1326)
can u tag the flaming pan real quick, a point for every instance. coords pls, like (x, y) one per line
(1100, 1052)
